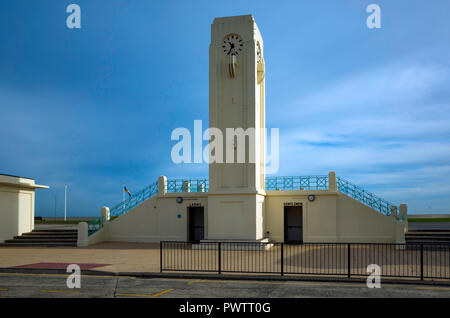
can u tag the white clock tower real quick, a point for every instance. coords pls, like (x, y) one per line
(237, 101)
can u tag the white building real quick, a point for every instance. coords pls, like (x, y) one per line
(16, 205)
(239, 202)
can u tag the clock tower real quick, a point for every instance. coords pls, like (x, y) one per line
(237, 103)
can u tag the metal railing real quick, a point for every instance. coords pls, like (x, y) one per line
(188, 185)
(95, 225)
(420, 261)
(297, 183)
(364, 196)
(319, 182)
(135, 200)
(125, 206)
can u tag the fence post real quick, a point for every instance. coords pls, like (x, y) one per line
(160, 257)
(219, 261)
(421, 261)
(282, 259)
(348, 261)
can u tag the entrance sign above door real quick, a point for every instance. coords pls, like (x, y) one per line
(293, 203)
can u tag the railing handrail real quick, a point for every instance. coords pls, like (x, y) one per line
(282, 183)
(401, 260)
(286, 183)
(313, 243)
(125, 206)
(188, 185)
(364, 196)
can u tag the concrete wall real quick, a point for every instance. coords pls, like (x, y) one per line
(235, 217)
(319, 216)
(357, 222)
(331, 217)
(157, 219)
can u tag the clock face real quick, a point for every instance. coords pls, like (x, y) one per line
(258, 53)
(232, 45)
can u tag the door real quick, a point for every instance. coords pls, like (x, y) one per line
(293, 224)
(196, 224)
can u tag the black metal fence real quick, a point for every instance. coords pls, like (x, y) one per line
(422, 261)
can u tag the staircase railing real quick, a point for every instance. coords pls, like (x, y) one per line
(364, 196)
(297, 183)
(318, 182)
(125, 206)
(135, 200)
(95, 225)
(188, 185)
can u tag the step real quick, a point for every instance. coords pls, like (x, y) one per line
(434, 237)
(54, 231)
(49, 233)
(443, 243)
(47, 244)
(430, 231)
(59, 237)
(39, 240)
(427, 233)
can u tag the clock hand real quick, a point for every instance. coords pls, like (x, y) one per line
(231, 47)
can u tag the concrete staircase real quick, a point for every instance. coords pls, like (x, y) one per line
(428, 237)
(44, 238)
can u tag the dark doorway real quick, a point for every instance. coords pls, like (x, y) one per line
(196, 224)
(293, 224)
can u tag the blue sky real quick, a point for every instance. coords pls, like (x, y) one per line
(95, 107)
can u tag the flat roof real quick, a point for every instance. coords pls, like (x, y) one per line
(11, 175)
(21, 182)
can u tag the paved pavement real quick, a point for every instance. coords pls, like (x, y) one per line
(122, 257)
(54, 285)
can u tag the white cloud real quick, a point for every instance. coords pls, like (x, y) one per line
(389, 126)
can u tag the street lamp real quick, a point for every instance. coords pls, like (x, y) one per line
(55, 204)
(65, 202)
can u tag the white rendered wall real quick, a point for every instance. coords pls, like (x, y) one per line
(357, 222)
(156, 220)
(236, 102)
(236, 195)
(331, 217)
(16, 212)
(235, 217)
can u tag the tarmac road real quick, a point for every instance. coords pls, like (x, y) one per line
(54, 285)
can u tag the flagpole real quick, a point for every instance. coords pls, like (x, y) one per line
(123, 197)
